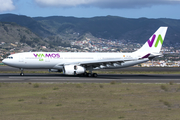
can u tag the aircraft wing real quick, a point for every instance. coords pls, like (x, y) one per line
(99, 62)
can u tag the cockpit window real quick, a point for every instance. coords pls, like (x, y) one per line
(9, 57)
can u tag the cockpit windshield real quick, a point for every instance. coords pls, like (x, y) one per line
(9, 57)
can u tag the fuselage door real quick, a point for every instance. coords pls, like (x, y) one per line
(21, 58)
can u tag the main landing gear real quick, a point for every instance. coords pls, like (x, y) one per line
(90, 74)
(22, 73)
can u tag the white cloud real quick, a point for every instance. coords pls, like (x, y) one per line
(105, 3)
(6, 5)
(64, 3)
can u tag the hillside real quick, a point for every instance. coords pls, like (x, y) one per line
(58, 28)
(13, 33)
(27, 22)
(110, 27)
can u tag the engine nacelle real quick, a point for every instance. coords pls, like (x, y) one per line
(73, 69)
(54, 70)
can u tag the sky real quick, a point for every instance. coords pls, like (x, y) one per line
(92, 8)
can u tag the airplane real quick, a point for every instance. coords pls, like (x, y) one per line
(84, 63)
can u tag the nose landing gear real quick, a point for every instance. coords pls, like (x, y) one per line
(22, 73)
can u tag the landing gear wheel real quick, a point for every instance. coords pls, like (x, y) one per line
(95, 74)
(21, 74)
(89, 74)
(85, 74)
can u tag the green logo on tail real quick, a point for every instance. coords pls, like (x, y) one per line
(159, 39)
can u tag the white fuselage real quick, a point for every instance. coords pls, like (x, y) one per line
(56, 60)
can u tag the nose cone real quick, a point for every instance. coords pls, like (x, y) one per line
(4, 61)
(7, 62)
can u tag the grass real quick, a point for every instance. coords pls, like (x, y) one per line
(101, 86)
(36, 85)
(79, 85)
(43, 97)
(178, 89)
(89, 101)
(55, 88)
(21, 100)
(113, 82)
(164, 87)
(59, 104)
(121, 117)
(166, 103)
(171, 83)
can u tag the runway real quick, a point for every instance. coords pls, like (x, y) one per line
(102, 78)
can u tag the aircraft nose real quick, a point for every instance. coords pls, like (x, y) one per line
(4, 61)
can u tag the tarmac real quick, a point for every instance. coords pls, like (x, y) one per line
(102, 78)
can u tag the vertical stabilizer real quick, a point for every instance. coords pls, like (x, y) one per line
(154, 44)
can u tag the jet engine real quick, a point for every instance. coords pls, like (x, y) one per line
(73, 70)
